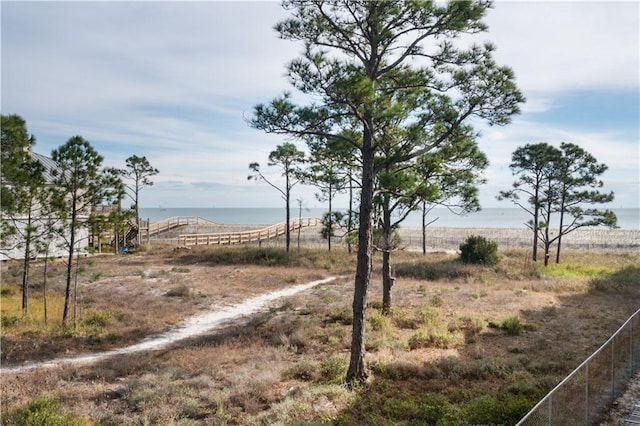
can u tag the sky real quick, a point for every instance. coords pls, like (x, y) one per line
(176, 82)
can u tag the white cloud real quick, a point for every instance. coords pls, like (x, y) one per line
(174, 80)
(620, 154)
(99, 58)
(566, 45)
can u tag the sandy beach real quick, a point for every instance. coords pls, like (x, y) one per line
(445, 238)
(580, 239)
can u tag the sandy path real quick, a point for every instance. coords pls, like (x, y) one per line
(191, 327)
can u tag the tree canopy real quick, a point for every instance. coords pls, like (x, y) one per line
(561, 181)
(138, 172)
(288, 158)
(79, 184)
(395, 72)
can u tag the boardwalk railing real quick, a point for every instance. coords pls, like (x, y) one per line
(586, 393)
(244, 237)
(174, 222)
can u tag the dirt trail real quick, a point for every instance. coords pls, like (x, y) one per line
(191, 327)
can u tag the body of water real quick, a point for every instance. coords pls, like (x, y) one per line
(487, 218)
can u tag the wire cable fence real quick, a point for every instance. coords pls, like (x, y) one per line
(587, 393)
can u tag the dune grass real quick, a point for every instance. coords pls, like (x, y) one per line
(15, 321)
(443, 356)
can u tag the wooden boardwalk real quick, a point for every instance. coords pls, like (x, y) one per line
(175, 222)
(244, 237)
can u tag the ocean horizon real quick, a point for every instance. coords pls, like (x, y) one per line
(628, 218)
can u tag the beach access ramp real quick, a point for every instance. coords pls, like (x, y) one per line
(156, 228)
(252, 236)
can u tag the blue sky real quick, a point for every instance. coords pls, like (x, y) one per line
(175, 82)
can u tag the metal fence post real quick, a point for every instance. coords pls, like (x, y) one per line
(586, 394)
(631, 357)
(613, 371)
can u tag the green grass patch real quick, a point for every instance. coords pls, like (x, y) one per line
(380, 322)
(8, 290)
(512, 325)
(14, 322)
(302, 370)
(573, 270)
(432, 338)
(101, 319)
(43, 411)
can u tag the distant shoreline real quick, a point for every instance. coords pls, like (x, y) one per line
(508, 217)
(580, 239)
(450, 238)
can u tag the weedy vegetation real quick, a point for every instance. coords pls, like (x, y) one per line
(442, 355)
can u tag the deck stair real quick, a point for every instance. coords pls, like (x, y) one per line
(244, 237)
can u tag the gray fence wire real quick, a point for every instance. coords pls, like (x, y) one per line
(587, 393)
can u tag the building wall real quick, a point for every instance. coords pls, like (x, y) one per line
(56, 248)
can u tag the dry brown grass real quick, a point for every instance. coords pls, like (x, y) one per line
(284, 365)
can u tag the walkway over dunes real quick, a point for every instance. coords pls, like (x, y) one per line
(175, 222)
(253, 236)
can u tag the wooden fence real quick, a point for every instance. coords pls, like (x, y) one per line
(174, 222)
(244, 237)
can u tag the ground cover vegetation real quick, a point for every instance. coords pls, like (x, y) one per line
(463, 343)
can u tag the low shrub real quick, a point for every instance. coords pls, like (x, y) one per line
(9, 320)
(437, 300)
(624, 279)
(342, 316)
(42, 411)
(478, 250)
(431, 339)
(179, 291)
(379, 322)
(471, 326)
(303, 370)
(487, 409)
(333, 370)
(402, 319)
(512, 325)
(448, 269)
(428, 315)
(97, 319)
(8, 290)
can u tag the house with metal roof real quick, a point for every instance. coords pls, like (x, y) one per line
(13, 248)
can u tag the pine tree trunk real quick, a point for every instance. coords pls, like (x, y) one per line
(387, 281)
(424, 228)
(357, 371)
(560, 232)
(350, 218)
(536, 213)
(26, 263)
(44, 284)
(546, 242)
(67, 292)
(330, 220)
(288, 215)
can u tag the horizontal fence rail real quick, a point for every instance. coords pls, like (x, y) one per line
(585, 394)
(244, 237)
